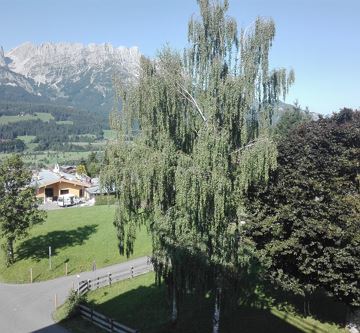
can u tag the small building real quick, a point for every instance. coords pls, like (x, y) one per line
(50, 185)
(94, 191)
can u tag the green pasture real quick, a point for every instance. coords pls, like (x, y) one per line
(12, 119)
(77, 236)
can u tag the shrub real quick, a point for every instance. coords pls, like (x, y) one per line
(72, 302)
(102, 200)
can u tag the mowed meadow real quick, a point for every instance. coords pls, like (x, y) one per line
(78, 237)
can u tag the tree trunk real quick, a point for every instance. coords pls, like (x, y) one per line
(10, 251)
(174, 314)
(353, 320)
(216, 317)
(307, 311)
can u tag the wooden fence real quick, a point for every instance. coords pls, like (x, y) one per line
(97, 318)
(106, 280)
(103, 322)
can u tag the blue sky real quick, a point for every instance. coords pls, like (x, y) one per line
(319, 39)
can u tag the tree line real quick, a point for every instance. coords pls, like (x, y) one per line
(11, 146)
(51, 135)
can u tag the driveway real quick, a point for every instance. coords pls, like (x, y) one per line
(26, 308)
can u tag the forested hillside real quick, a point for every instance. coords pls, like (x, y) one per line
(38, 128)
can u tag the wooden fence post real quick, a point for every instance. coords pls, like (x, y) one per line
(78, 284)
(66, 269)
(31, 275)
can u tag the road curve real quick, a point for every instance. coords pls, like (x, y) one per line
(26, 308)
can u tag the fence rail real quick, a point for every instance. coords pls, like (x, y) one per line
(97, 318)
(103, 322)
(108, 279)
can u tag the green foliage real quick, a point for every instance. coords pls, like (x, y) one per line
(54, 127)
(102, 200)
(18, 204)
(306, 221)
(12, 146)
(92, 165)
(72, 302)
(289, 120)
(194, 132)
(81, 169)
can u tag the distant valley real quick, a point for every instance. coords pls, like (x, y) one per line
(55, 98)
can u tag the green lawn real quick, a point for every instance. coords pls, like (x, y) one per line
(140, 304)
(12, 119)
(78, 236)
(110, 134)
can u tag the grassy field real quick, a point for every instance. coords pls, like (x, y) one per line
(26, 138)
(110, 134)
(140, 304)
(12, 119)
(78, 236)
(30, 146)
(98, 144)
(49, 158)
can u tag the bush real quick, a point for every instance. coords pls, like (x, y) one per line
(72, 302)
(102, 200)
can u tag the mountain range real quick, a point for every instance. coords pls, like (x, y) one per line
(66, 73)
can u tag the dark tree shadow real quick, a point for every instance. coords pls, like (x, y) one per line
(148, 310)
(322, 307)
(37, 247)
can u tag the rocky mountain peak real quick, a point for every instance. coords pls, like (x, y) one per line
(81, 75)
(40, 61)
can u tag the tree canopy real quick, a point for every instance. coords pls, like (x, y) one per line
(18, 205)
(306, 220)
(193, 133)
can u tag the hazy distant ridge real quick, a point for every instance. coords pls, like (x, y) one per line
(73, 73)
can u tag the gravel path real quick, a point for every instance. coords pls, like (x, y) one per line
(26, 308)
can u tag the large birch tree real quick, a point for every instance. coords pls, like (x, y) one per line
(193, 133)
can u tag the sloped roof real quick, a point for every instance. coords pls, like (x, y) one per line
(48, 177)
(96, 189)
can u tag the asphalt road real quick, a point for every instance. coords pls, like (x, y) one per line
(26, 308)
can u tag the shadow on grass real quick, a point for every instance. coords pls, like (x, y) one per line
(322, 307)
(148, 310)
(37, 247)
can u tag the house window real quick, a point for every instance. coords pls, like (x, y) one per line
(64, 192)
